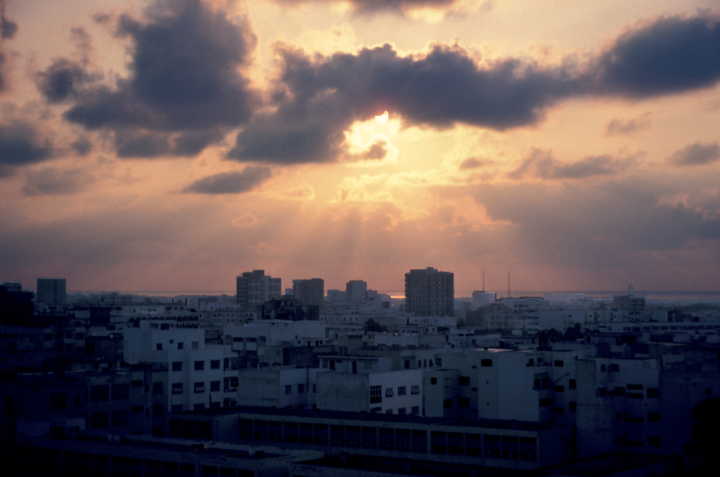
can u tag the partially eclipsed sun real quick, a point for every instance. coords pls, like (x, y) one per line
(382, 118)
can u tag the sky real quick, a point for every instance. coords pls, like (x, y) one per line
(174, 144)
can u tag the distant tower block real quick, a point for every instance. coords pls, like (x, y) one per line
(255, 288)
(51, 292)
(356, 290)
(430, 292)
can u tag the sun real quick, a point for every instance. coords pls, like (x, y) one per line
(382, 118)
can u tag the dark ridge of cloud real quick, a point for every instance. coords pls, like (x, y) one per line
(20, 145)
(192, 143)
(542, 165)
(372, 6)
(56, 181)
(472, 163)
(617, 127)
(597, 226)
(8, 28)
(696, 155)
(130, 144)
(235, 182)
(184, 75)
(670, 55)
(319, 98)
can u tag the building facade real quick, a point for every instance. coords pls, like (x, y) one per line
(255, 288)
(429, 292)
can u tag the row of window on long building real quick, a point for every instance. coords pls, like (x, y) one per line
(370, 437)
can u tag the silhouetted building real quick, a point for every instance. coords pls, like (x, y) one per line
(632, 304)
(255, 288)
(51, 292)
(288, 308)
(16, 305)
(429, 292)
(356, 290)
(310, 292)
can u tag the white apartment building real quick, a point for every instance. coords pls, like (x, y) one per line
(280, 387)
(369, 384)
(199, 376)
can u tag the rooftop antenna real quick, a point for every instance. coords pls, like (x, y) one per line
(509, 290)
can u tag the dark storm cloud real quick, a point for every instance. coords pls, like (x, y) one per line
(542, 165)
(696, 155)
(236, 182)
(184, 78)
(82, 146)
(670, 55)
(319, 98)
(130, 144)
(56, 181)
(20, 145)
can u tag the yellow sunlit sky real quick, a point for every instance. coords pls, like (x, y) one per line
(151, 145)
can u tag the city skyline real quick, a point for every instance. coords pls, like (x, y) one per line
(170, 145)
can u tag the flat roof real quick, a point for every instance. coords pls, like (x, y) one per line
(376, 417)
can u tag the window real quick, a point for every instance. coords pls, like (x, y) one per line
(120, 391)
(181, 345)
(415, 389)
(137, 383)
(301, 389)
(547, 402)
(448, 404)
(559, 388)
(99, 393)
(407, 364)
(415, 410)
(433, 381)
(157, 410)
(375, 394)
(559, 363)
(120, 418)
(158, 346)
(402, 390)
(199, 387)
(177, 388)
(573, 406)
(214, 386)
(58, 401)
(464, 402)
(654, 441)
(614, 367)
(572, 384)
(177, 408)
(199, 365)
(288, 389)
(653, 393)
(314, 387)
(559, 410)
(99, 420)
(195, 345)
(177, 366)
(157, 388)
(486, 363)
(464, 380)
(635, 387)
(653, 417)
(389, 392)
(215, 364)
(401, 411)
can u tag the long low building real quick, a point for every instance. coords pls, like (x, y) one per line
(463, 442)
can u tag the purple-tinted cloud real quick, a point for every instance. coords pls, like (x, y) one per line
(20, 145)
(696, 155)
(185, 78)
(235, 182)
